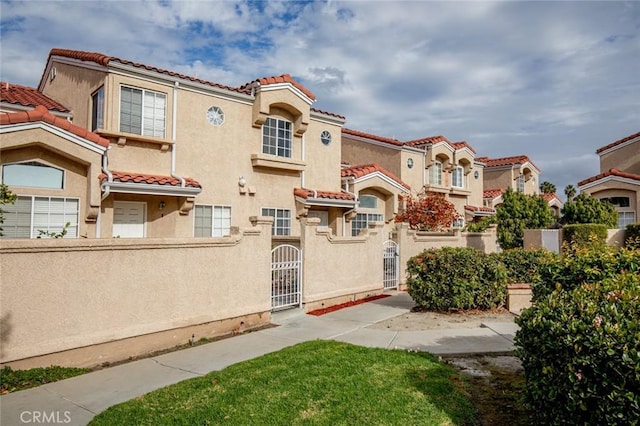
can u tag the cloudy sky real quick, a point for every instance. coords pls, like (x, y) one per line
(552, 80)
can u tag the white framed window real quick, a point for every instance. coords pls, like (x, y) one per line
(520, 183)
(362, 220)
(435, 173)
(212, 221)
(276, 137)
(97, 110)
(368, 201)
(457, 177)
(626, 218)
(142, 112)
(458, 223)
(281, 220)
(31, 214)
(33, 174)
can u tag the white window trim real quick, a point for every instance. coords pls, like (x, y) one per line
(213, 218)
(369, 218)
(64, 175)
(460, 170)
(142, 114)
(274, 226)
(287, 149)
(33, 232)
(437, 165)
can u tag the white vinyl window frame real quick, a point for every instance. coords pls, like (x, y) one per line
(457, 177)
(142, 112)
(625, 218)
(435, 173)
(281, 220)
(97, 109)
(362, 221)
(33, 174)
(520, 183)
(277, 137)
(31, 214)
(212, 221)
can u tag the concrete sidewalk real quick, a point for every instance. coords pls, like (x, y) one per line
(77, 400)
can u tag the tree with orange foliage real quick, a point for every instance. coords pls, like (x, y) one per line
(428, 212)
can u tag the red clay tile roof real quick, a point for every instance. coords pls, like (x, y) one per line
(506, 161)
(428, 140)
(306, 193)
(463, 144)
(370, 136)
(333, 114)
(28, 96)
(618, 142)
(41, 113)
(104, 60)
(610, 172)
(365, 169)
(550, 197)
(480, 209)
(284, 78)
(492, 193)
(149, 179)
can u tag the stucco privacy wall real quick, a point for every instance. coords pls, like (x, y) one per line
(551, 239)
(413, 242)
(64, 294)
(337, 269)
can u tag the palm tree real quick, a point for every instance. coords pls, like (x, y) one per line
(570, 192)
(547, 188)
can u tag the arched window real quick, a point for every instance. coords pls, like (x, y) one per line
(32, 175)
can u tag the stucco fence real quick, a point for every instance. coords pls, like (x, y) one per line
(551, 239)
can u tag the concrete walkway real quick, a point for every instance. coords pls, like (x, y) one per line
(77, 400)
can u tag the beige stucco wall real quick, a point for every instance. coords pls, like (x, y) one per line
(503, 178)
(336, 267)
(64, 294)
(357, 152)
(415, 176)
(625, 158)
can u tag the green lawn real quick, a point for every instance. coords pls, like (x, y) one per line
(319, 382)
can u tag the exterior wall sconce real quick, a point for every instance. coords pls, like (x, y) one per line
(242, 181)
(162, 205)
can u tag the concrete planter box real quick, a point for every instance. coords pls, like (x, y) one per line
(518, 297)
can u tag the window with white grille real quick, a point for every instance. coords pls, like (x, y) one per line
(31, 214)
(276, 137)
(362, 220)
(457, 177)
(212, 221)
(142, 112)
(435, 173)
(281, 220)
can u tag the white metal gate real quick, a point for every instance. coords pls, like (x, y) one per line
(286, 277)
(391, 266)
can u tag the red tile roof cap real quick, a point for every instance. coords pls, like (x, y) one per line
(357, 133)
(618, 142)
(306, 193)
(480, 209)
(41, 113)
(28, 96)
(428, 140)
(492, 193)
(462, 145)
(610, 172)
(280, 79)
(506, 161)
(365, 169)
(149, 179)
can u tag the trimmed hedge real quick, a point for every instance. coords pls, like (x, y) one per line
(525, 266)
(584, 233)
(580, 349)
(457, 278)
(632, 235)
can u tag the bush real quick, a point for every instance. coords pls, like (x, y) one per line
(632, 236)
(15, 380)
(456, 278)
(584, 264)
(585, 233)
(581, 353)
(524, 266)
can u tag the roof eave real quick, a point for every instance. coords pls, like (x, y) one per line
(150, 189)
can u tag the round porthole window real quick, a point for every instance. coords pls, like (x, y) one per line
(476, 174)
(410, 163)
(325, 137)
(215, 116)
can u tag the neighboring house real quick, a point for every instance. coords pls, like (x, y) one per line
(619, 179)
(517, 172)
(184, 157)
(432, 164)
(16, 98)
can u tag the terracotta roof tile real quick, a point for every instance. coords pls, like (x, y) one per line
(365, 169)
(610, 172)
(104, 60)
(306, 193)
(492, 193)
(506, 161)
(480, 209)
(370, 136)
(463, 144)
(149, 179)
(550, 197)
(428, 140)
(41, 113)
(332, 114)
(28, 97)
(284, 78)
(618, 142)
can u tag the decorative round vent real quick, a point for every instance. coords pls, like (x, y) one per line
(215, 116)
(325, 137)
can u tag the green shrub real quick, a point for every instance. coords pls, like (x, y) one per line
(15, 380)
(523, 266)
(580, 350)
(585, 234)
(456, 278)
(632, 236)
(480, 226)
(584, 264)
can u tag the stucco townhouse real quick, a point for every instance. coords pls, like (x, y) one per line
(619, 179)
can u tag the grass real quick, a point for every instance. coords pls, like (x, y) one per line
(316, 383)
(15, 380)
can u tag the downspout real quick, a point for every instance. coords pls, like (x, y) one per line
(107, 190)
(302, 182)
(173, 135)
(424, 167)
